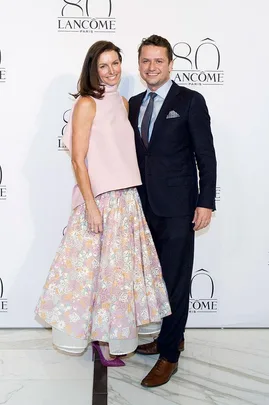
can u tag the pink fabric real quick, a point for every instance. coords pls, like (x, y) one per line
(103, 286)
(111, 159)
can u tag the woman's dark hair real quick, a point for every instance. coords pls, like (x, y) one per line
(156, 40)
(89, 83)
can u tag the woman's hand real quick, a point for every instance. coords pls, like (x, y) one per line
(94, 218)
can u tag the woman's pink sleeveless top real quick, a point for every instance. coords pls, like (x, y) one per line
(111, 158)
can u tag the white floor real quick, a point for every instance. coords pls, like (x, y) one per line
(218, 367)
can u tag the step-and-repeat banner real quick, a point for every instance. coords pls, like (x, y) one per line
(221, 52)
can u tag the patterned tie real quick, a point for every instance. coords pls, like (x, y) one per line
(147, 118)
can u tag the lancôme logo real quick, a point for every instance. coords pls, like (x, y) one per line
(202, 293)
(87, 16)
(61, 145)
(3, 301)
(197, 65)
(3, 188)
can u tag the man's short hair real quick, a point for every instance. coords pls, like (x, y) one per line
(157, 40)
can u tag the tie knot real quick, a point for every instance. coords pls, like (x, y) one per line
(152, 95)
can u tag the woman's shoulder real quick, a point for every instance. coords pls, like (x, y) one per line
(85, 102)
(85, 106)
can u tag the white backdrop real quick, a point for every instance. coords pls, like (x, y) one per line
(42, 50)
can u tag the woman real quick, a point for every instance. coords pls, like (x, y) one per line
(106, 279)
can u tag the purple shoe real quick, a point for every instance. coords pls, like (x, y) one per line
(106, 363)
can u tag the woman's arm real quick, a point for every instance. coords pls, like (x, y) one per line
(84, 113)
(126, 104)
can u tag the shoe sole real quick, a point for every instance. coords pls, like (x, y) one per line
(159, 385)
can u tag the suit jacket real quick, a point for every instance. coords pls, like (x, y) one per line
(177, 148)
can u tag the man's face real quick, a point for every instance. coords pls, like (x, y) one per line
(154, 66)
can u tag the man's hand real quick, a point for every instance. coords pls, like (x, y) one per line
(202, 218)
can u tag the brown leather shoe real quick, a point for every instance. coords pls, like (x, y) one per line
(160, 374)
(151, 348)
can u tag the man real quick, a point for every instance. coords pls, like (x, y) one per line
(173, 140)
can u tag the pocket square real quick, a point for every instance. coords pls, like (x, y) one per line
(172, 114)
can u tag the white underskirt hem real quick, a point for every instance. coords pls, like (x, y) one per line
(117, 347)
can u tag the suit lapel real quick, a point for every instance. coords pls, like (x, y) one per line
(166, 107)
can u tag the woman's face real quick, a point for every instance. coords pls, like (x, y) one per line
(109, 68)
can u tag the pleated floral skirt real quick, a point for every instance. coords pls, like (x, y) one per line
(105, 286)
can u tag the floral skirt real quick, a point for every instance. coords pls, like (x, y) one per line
(104, 286)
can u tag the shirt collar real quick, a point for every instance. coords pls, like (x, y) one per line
(161, 91)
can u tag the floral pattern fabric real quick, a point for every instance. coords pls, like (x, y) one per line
(104, 286)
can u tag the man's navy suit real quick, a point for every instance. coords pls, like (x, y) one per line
(179, 148)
